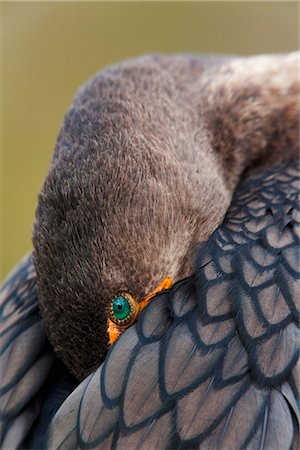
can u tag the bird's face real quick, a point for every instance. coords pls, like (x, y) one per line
(93, 281)
(102, 232)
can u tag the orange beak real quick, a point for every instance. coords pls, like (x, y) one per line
(114, 331)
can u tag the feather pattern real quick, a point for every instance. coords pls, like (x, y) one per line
(210, 363)
(28, 363)
(25, 361)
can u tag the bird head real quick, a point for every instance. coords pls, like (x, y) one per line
(101, 237)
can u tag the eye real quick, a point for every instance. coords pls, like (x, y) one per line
(123, 310)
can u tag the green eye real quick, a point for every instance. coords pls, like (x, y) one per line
(123, 310)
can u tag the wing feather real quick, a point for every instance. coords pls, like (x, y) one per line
(211, 363)
(24, 352)
(26, 361)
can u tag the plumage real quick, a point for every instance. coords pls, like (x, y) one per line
(34, 382)
(144, 170)
(185, 376)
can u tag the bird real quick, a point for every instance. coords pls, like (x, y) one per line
(144, 170)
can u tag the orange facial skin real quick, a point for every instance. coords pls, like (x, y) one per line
(114, 331)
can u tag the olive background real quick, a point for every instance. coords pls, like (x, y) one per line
(49, 49)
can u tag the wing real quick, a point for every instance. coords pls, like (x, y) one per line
(212, 362)
(26, 357)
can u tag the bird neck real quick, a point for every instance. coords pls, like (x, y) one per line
(251, 113)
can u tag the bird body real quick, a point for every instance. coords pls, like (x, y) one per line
(144, 170)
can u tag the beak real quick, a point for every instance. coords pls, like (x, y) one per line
(114, 331)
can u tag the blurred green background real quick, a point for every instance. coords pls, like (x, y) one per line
(50, 49)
